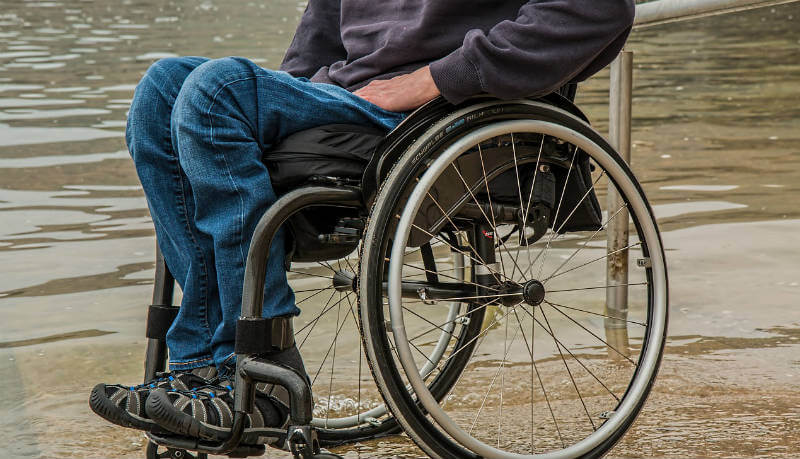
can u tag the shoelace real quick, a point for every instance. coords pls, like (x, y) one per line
(161, 377)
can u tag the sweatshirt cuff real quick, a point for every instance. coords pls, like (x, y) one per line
(456, 77)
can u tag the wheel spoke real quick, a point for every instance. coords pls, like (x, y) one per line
(591, 333)
(521, 210)
(591, 373)
(598, 287)
(312, 296)
(454, 319)
(595, 260)
(506, 348)
(360, 352)
(472, 340)
(598, 314)
(494, 273)
(324, 359)
(489, 390)
(529, 348)
(309, 274)
(488, 195)
(541, 383)
(315, 320)
(558, 210)
(585, 195)
(449, 277)
(422, 353)
(333, 359)
(574, 384)
(585, 243)
(426, 320)
(325, 309)
(475, 251)
(491, 223)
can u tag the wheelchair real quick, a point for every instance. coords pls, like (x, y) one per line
(453, 287)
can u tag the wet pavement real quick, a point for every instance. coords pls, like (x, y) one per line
(716, 145)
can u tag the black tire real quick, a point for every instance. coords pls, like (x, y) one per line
(391, 200)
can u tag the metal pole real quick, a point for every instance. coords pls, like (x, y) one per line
(663, 11)
(619, 127)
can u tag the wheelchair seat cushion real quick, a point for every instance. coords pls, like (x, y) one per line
(332, 150)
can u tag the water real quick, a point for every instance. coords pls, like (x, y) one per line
(716, 144)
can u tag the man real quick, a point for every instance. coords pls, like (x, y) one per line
(198, 128)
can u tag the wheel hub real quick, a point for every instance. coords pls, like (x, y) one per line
(533, 292)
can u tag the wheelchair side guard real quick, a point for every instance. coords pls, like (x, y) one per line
(458, 188)
(396, 143)
(455, 193)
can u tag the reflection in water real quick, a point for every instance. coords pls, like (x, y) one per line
(716, 139)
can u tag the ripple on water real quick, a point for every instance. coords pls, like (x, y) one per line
(34, 135)
(699, 187)
(11, 102)
(10, 199)
(59, 160)
(19, 87)
(32, 114)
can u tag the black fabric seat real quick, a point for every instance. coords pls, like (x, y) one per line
(332, 150)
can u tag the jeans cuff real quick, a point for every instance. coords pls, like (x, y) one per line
(190, 365)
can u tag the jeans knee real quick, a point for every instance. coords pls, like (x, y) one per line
(212, 75)
(166, 76)
(201, 90)
(149, 114)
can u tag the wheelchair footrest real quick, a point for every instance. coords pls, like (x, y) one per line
(298, 386)
(196, 444)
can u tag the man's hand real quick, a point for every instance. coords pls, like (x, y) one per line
(401, 93)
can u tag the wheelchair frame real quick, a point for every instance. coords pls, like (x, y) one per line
(251, 368)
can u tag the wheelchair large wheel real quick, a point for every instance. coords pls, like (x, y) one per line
(553, 369)
(347, 405)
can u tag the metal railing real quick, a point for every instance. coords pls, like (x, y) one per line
(619, 119)
(664, 11)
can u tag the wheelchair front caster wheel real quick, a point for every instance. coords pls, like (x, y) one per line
(160, 452)
(327, 456)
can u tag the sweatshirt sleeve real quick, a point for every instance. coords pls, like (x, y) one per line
(317, 41)
(551, 43)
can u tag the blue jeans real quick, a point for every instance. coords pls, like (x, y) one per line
(197, 130)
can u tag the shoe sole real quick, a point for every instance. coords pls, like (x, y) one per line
(106, 409)
(161, 410)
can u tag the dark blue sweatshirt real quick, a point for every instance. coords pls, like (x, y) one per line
(506, 48)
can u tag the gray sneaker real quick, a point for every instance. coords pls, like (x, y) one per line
(125, 405)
